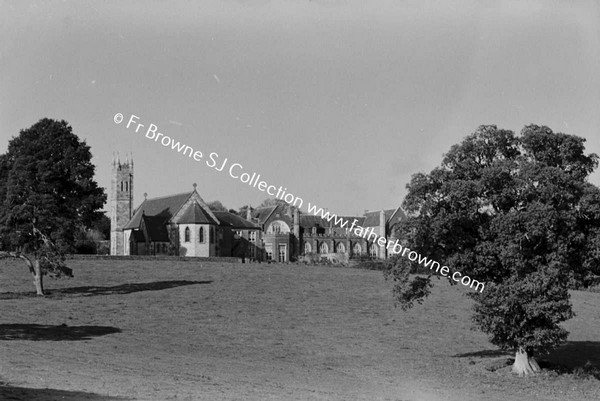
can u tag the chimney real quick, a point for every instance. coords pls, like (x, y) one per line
(249, 213)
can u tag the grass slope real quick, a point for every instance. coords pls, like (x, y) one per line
(194, 331)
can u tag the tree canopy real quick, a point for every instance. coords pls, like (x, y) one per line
(216, 206)
(47, 192)
(517, 213)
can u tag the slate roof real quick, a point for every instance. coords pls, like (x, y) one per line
(165, 206)
(371, 219)
(194, 214)
(396, 216)
(263, 213)
(234, 221)
(156, 228)
(309, 221)
(391, 216)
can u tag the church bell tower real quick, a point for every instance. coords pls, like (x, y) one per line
(121, 202)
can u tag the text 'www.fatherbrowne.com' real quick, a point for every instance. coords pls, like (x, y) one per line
(237, 171)
(394, 247)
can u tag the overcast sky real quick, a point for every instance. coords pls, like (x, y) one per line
(339, 101)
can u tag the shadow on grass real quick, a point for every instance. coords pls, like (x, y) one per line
(40, 332)
(8, 392)
(93, 290)
(582, 358)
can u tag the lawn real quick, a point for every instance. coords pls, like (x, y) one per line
(211, 331)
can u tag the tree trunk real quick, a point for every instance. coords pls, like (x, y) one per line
(524, 364)
(38, 278)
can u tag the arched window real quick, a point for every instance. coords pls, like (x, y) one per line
(278, 227)
(324, 248)
(307, 247)
(341, 248)
(374, 251)
(187, 234)
(126, 186)
(357, 249)
(201, 235)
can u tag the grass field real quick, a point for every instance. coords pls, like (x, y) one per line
(210, 331)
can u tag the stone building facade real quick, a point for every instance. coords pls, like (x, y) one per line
(288, 234)
(121, 203)
(181, 224)
(184, 225)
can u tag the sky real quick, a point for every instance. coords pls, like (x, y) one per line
(340, 102)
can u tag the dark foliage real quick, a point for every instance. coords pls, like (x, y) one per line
(517, 213)
(47, 195)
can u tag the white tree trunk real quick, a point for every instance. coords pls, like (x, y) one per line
(38, 278)
(524, 364)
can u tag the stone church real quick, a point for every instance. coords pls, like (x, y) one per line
(183, 225)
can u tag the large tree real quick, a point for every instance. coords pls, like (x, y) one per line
(47, 194)
(517, 213)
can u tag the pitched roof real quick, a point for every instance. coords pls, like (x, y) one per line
(263, 213)
(234, 221)
(165, 206)
(396, 216)
(309, 221)
(372, 218)
(194, 214)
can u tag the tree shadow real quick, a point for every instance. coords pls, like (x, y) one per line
(41, 332)
(577, 357)
(94, 290)
(8, 392)
(581, 358)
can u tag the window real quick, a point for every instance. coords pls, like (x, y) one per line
(201, 235)
(307, 247)
(126, 186)
(269, 252)
(282, 253)
(341, 248)
(374, 251)
(357, 249)
(121, 185)
(187, 234)
(238, 235)
(252, 251)
(324, 248)
(252, 236)
(278, 227)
